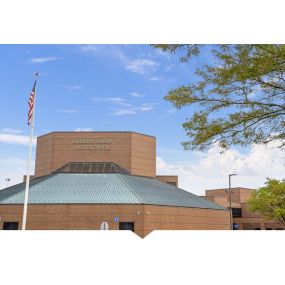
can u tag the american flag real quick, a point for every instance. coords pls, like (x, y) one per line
(31, 104)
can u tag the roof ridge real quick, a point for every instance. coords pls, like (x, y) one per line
(122, 179)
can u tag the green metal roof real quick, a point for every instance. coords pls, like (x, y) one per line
(102, 188)
(13, 190)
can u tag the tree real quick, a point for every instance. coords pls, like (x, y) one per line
(270, 200)
(240, 97)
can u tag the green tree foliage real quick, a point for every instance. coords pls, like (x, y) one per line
(270, 200)
(239, 95)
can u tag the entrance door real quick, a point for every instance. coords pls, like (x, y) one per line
(10, 225)
(127, 226)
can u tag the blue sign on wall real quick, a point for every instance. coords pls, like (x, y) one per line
(116, 219)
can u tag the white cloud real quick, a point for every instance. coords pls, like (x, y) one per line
(162, 78)
(14, 168)
(137, 65)
(122, 112)
(15, 139)
(104, 50)
(145, 108)
(167, 114)
(136, 95)
(171, 111)
(111, 100)
(43, 59)
(13, 160)
(133, 110)
(66, 111)
(11, 131)
(74, 88)
(154, 78)
(210, 170)
(89, 48)
(141, 66)
(83, 130)
(122, 107)
(162, 53)
(169, 67)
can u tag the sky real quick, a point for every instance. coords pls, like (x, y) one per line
(116, 88)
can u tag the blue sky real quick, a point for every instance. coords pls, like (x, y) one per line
(99, 87)
(111, 88)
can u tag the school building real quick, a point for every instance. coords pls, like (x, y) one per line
(84, 180)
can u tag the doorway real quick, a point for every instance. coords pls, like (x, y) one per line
(10, 225)
(127, 226)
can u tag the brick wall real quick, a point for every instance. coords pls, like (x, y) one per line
(132, 151)
(89, 217)
(171, 179)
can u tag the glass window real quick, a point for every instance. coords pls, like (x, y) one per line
(236, 212)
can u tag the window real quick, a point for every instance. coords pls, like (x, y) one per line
(127, 226)
(236, 212)
(257, 229)
(268, 229)
(10, 225)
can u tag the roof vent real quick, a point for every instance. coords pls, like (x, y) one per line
(91, 167)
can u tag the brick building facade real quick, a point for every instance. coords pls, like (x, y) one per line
(83, 179)
(242, 216)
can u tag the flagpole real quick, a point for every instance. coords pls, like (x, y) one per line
(29, 164)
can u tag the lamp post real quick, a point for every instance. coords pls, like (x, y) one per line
(230, 200)
(7, 180)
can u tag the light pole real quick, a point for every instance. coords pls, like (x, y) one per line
(7, 180)
(230, 200)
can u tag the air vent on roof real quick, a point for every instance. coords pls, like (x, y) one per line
(92, 167)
